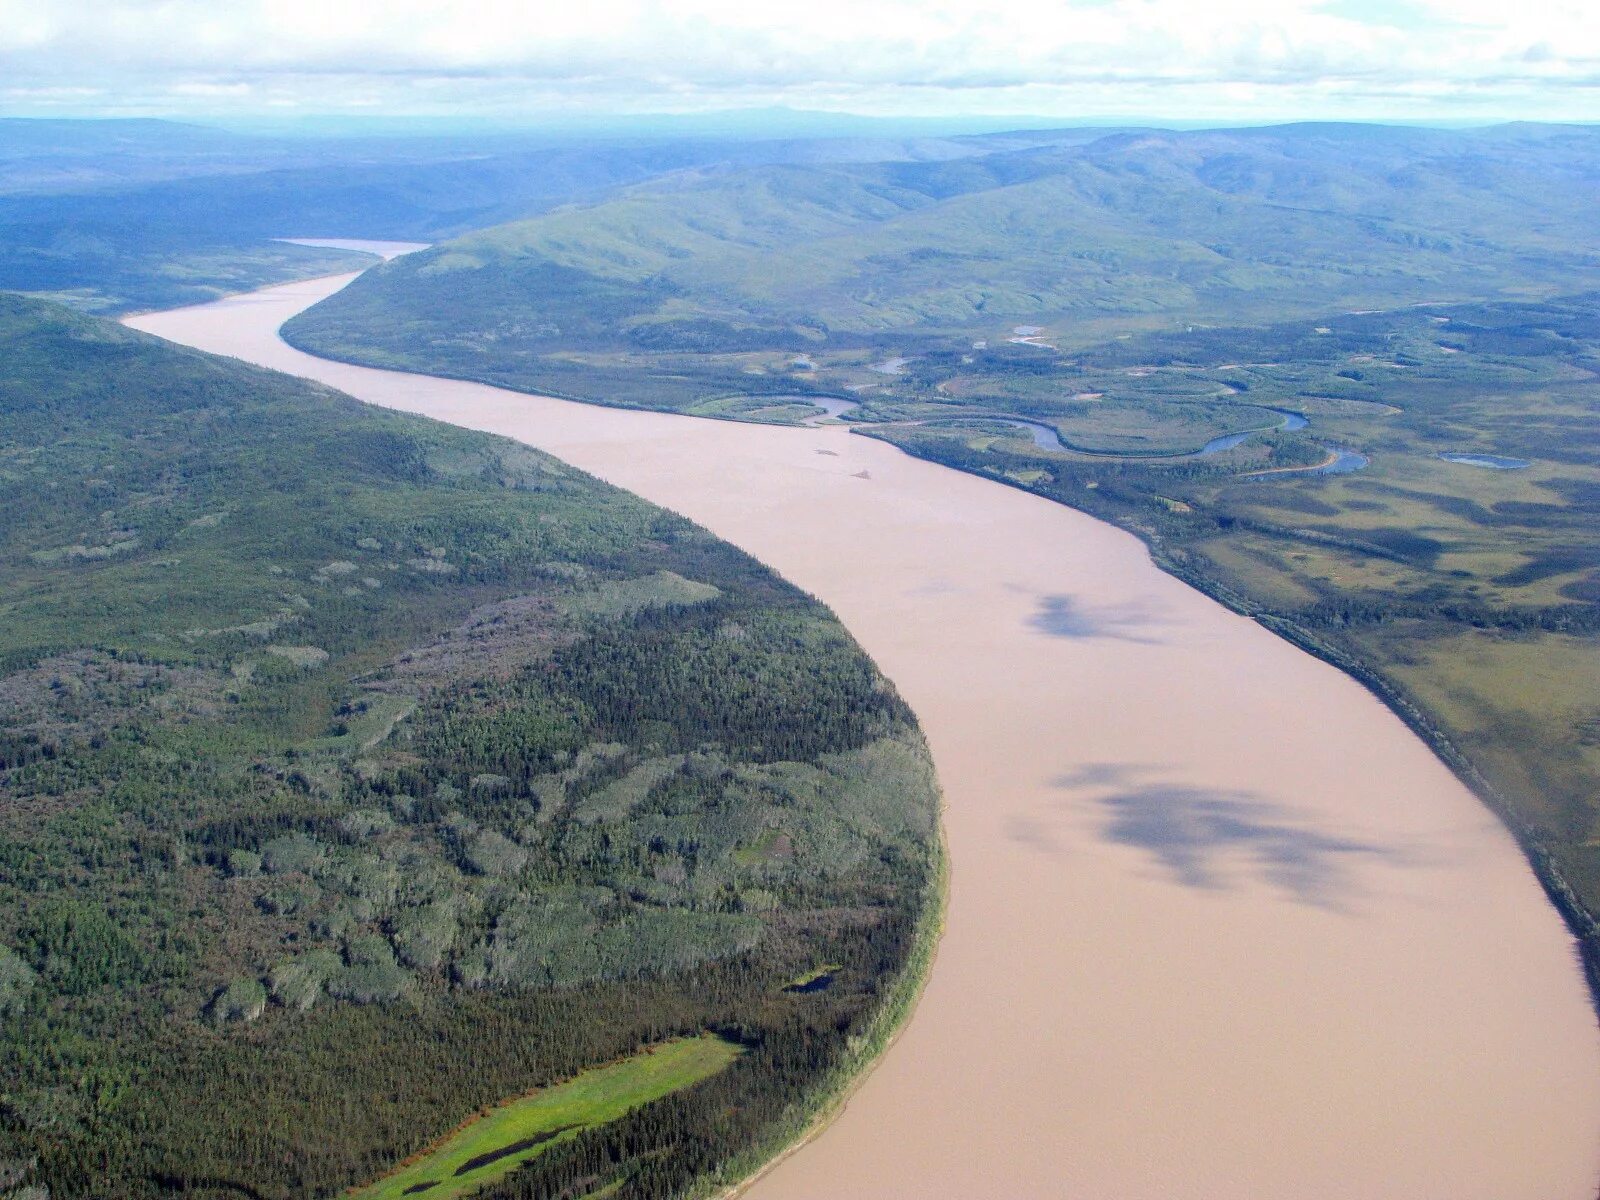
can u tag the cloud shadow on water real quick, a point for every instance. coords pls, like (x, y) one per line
(1199, 835)
(1066, 617)
(1036, 834)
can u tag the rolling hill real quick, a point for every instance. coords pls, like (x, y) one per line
(674, 277)
(120, 215)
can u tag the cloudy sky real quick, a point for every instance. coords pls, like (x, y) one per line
(1196, 59)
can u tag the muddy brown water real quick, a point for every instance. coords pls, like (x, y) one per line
(1220, 926)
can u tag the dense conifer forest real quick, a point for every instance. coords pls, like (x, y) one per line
(358, 773)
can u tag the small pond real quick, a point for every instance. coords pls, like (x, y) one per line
(1495, 462)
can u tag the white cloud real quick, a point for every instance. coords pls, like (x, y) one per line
(1103, 56)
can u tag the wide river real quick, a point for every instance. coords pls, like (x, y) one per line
(1220, 926)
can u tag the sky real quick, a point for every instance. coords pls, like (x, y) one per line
(1074, 59)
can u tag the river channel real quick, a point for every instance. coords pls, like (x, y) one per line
(1220, 927)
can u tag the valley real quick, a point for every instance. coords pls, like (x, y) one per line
(1154, 857)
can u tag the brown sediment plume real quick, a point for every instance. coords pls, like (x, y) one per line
(1219, 925)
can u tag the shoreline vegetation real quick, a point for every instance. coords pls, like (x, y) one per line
(1580, 917)
(833, 1095)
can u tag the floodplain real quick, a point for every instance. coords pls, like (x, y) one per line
(1177, 845)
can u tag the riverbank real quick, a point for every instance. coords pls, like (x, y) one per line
(833, 1096)
(1218, 923)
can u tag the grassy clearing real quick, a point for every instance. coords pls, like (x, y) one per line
(663, 589)
(495, 1144)
(1528, 704)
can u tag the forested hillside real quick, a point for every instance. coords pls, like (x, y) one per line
(705, 283)
(127, 215)
(358, 773)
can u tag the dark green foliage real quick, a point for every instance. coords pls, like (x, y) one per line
(77, 948)
(688, 679)
(357, 772)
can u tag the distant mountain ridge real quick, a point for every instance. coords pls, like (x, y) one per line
(1140, 229)
(113, 216)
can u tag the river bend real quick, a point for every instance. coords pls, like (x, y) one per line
(1220, 926)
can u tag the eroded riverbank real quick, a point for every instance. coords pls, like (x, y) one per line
(1219, 925)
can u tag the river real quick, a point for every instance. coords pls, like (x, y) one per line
(1220, 926)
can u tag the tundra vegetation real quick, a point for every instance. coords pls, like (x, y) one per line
(1203, 321)
(360, 774)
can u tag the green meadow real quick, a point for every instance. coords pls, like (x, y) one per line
(500, 1141)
